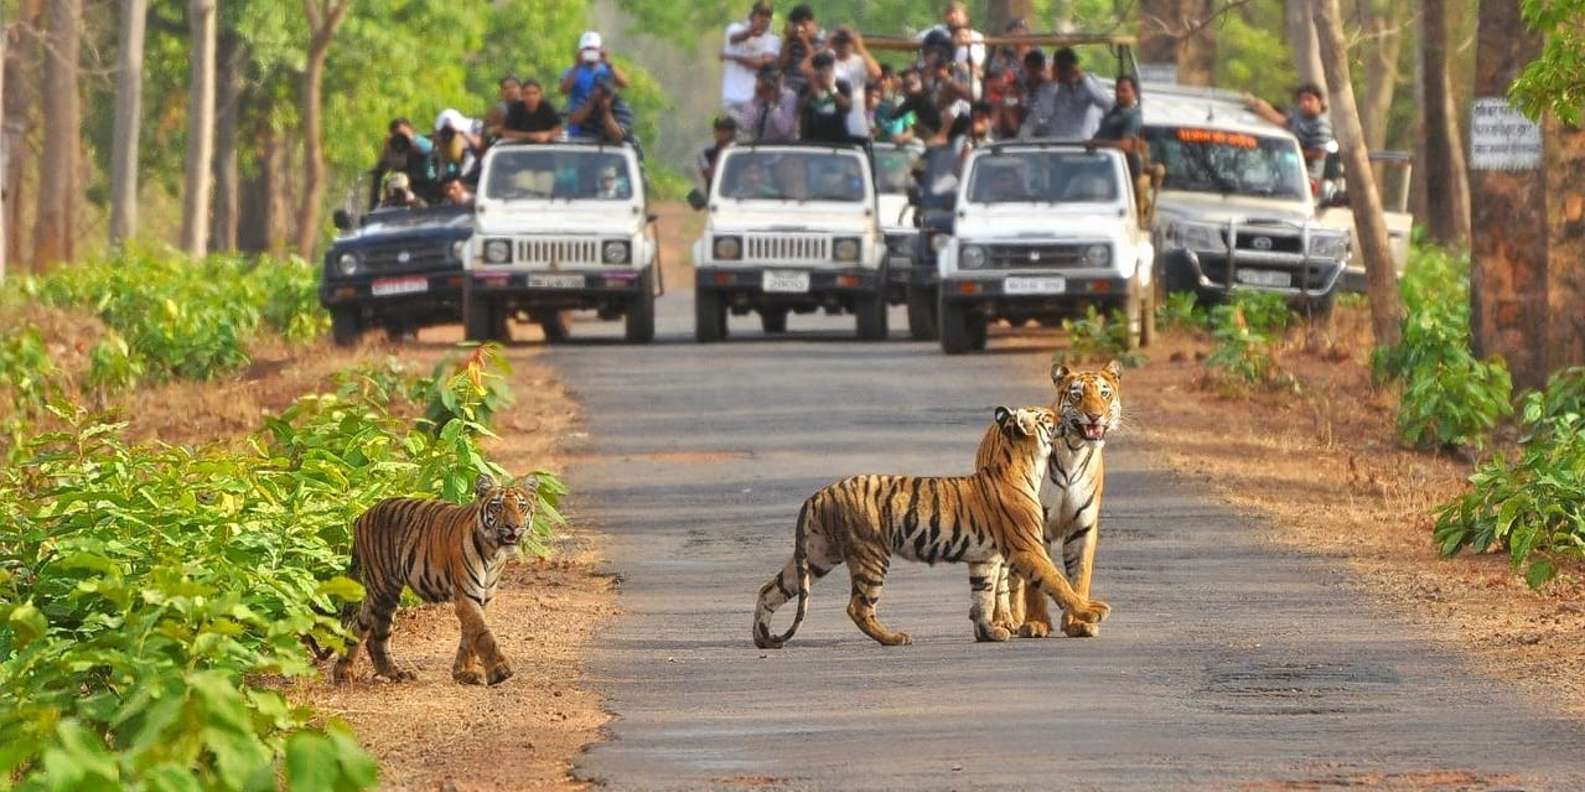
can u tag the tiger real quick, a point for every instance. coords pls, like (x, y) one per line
(443, 552)
(1090, 406)
(986, 520)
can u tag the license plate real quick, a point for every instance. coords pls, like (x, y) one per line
(1281, 280)
(388, 287)
(1035, 285)
(786, 282)
(541, 281)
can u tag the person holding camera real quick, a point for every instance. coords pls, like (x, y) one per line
(826, 104)
(749, 45)
(606, 116)
(1070, 106)
(801, 39)
(593, 64)
(772, 115)
(398, 193)
(405, 152)
(459, 145)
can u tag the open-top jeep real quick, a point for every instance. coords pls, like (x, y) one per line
(561, 226)
(1236, 210)
(1044, 229)
(400, 269)
(791, 228)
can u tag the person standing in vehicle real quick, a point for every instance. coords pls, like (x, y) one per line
(1307, 120)
(592, 65)
(772, 116)
(725, 135)
(405, 152)
(511, 90)
(1069, 107)
(826, 104)
(859, 69)
(801, 39)
(749, 46)
(532, 118)
(606, 116)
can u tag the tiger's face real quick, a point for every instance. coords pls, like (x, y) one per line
(1089, 402)
(506, 512)
(1036, 426)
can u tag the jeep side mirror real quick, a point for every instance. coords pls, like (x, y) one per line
(342, 220)
(697, 200)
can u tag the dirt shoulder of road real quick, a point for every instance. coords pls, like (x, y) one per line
(1324, 473)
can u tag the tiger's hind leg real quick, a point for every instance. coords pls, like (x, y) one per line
(867, 567)
(1078, 557)
(382, 619)
(984, 579)
(341, 673)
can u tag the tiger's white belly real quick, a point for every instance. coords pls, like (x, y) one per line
(1069, 495)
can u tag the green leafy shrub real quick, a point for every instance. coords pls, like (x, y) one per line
(186, 319)
(1450, 399)
(1246, 328)
(1536, 503)
(148, 594)
(27, 374)
(1095, 338)
(1182, 311)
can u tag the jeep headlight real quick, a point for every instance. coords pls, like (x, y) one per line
(939, 242)
(616, 252)
(347, 265)
(498, 251)
(728, 248)
(1098, 255)
(459, 250)
(1196, 236)
(846, 249)
(1329, 246)
(972, 257)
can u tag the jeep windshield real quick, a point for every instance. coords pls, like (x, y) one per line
(794, 176)
(1049, 177)
(390, 221)
(894, 170)
(1229, 163)
(558, 174)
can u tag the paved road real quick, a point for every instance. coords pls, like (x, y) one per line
(1226, 662)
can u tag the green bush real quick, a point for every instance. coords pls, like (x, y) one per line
(186, 319)
(1094, 338)
(1182, 311)
(1536, 503)
(27, 373)
(1450, 398)
(1246, 328)
(148, 594)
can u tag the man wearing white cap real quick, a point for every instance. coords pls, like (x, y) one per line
(458, 143)
(591, 63)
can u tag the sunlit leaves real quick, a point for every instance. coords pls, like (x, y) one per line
(1555, 82)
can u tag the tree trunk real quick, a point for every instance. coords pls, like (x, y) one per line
(1527, 237)
(1381, 73)
(196, 194)
(1001, 12)
(268, 208)
(5, 153)
(62, 125)
(1446, 180)
(129, 118)
(1299, 28)
(231, 61)
(1363, 197)
(1179, 33)
(21, 79)
(324, 16)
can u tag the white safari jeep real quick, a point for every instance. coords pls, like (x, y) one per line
(791, 228)
(560, 226)
(1042, 230)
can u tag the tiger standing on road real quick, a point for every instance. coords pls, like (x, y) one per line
(444, 552)
(1089, 404)
(987, 519)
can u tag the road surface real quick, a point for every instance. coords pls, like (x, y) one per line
(1227, 663)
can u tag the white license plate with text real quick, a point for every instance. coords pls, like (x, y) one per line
(390, 287)
(1280, 280)
(1035, 285)
(786, 282)
(543, 281)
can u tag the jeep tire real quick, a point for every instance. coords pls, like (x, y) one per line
(921, 313)
(871, 312)
(961, 330)
(641, 313)
(709, 317)
(773, 320)
(346, 325)
(553, 324)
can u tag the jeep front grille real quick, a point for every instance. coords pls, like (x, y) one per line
(787, 247)
(1037, 256)
(402, 257)
(557, 251)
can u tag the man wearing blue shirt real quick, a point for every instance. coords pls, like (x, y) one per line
(578, 82)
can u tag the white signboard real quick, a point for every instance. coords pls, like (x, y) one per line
(1501, 138)
(1166, 73)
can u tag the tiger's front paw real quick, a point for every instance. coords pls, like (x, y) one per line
(501, 672)
(991, 633)
(468, 676)
(1078, 629)
(1092, 612)
(1035, 628)
(398, 674)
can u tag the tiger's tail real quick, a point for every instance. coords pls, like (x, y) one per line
(777, 587)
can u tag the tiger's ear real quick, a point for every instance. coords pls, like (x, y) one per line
(1002, 414)
(1115, 370)
(482, 485)
(1059, 374)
